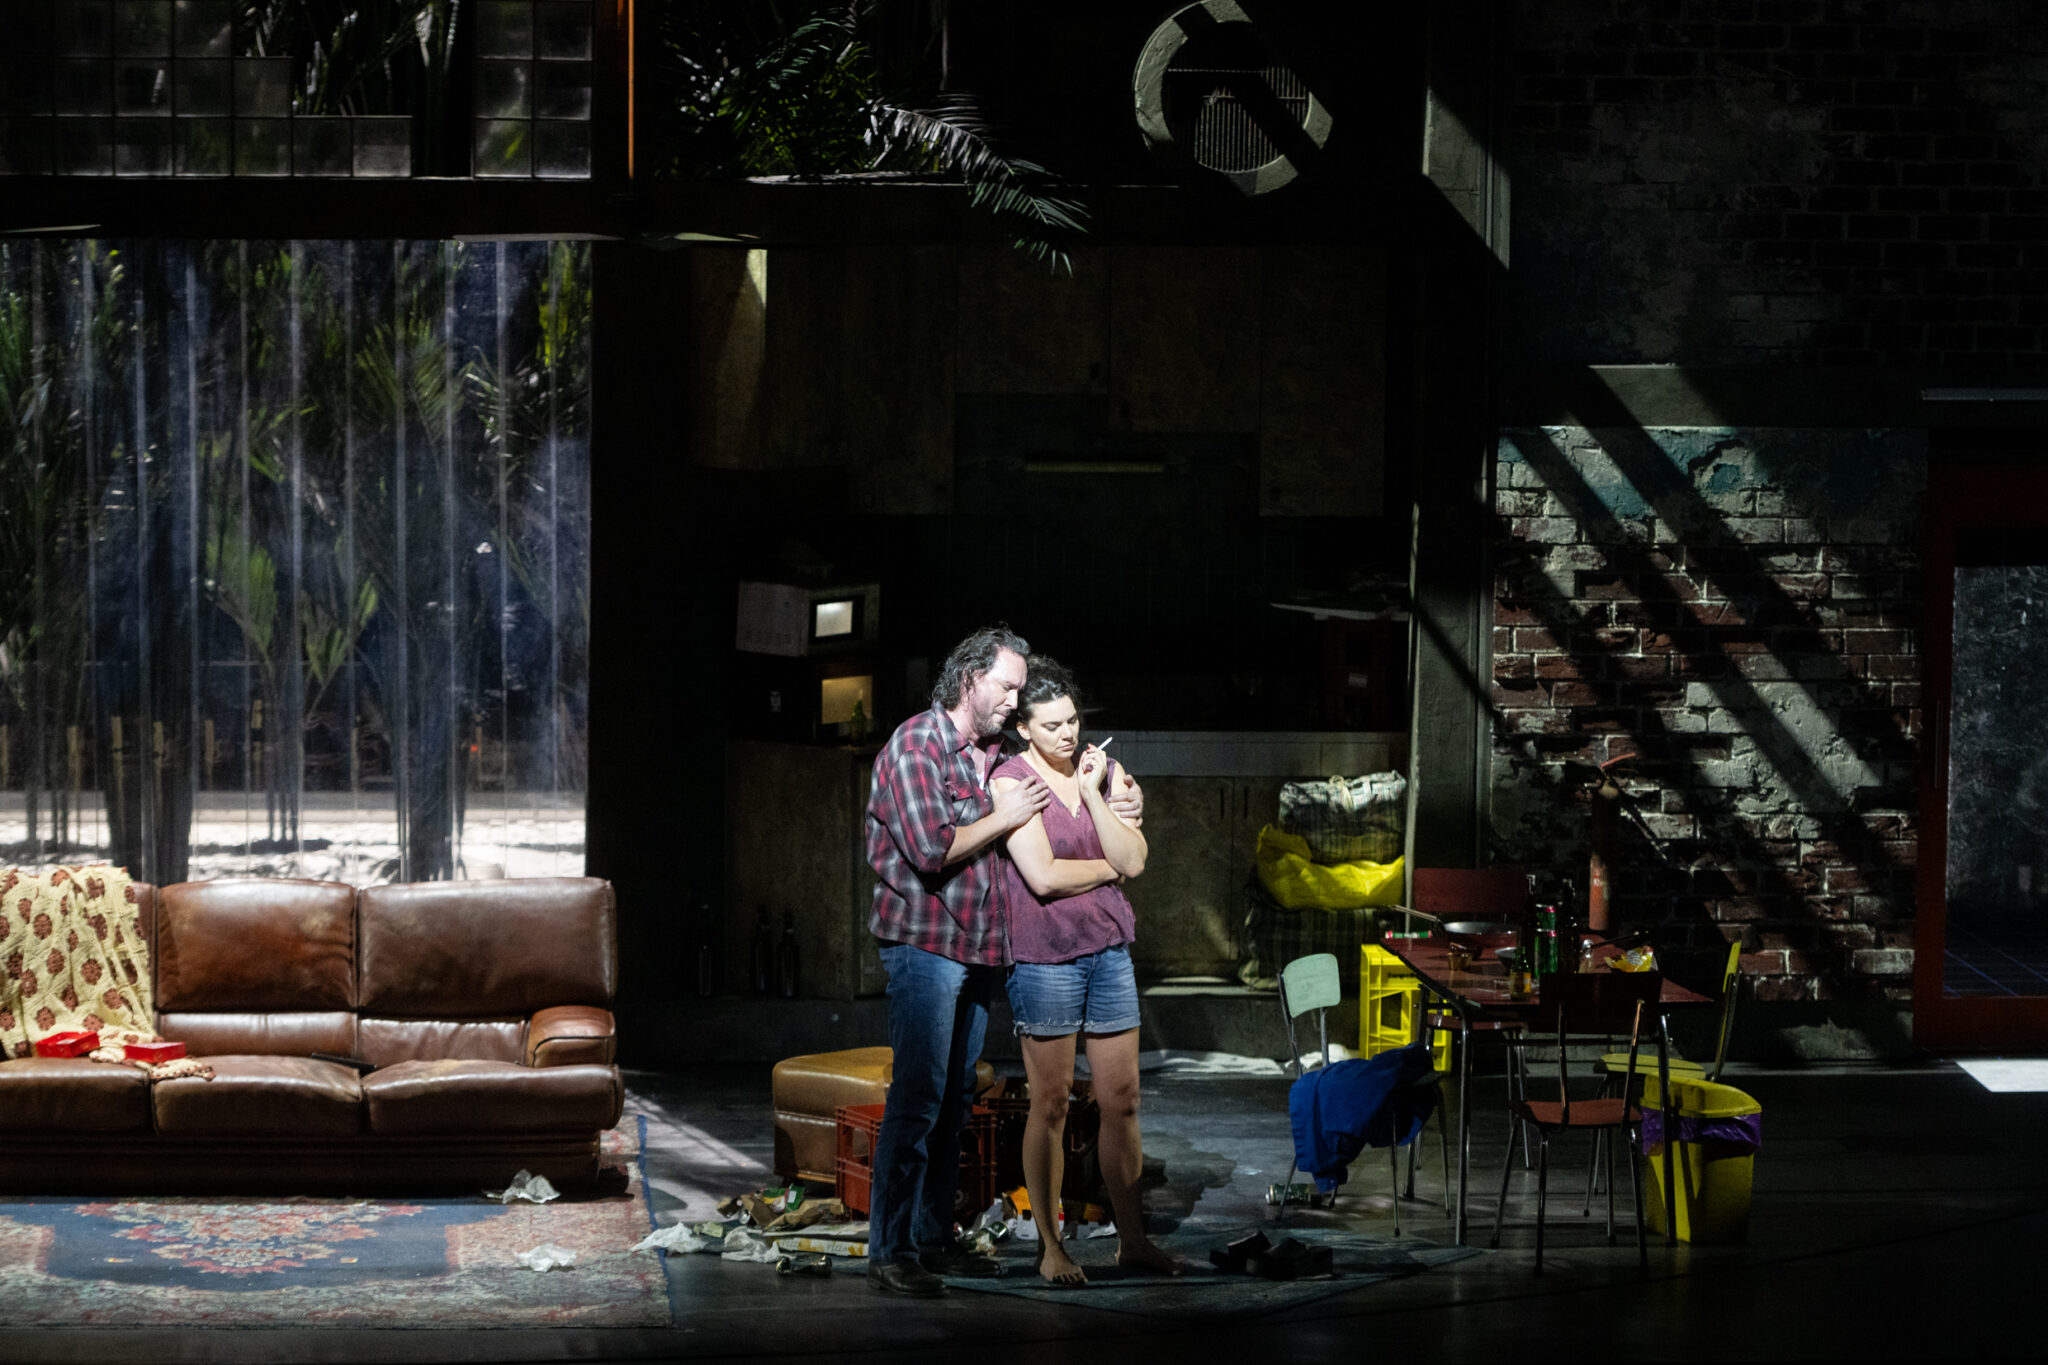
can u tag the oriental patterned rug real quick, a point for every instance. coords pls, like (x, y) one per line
(213, 1261)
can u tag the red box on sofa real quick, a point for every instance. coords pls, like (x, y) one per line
(67, 1044)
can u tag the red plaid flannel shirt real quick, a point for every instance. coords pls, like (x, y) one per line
(926, 786)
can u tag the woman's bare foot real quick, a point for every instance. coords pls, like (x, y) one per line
(1150, 1256)
(1058, 1269)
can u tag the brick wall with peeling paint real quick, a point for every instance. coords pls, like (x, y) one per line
(1738, 609)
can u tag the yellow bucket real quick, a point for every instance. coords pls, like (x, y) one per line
(1713, 1174)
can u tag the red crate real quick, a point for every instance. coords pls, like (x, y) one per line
(861, 1124)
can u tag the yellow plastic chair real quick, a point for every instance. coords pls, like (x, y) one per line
(1615, 1063)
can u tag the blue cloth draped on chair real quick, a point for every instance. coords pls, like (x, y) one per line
(1339, 1110)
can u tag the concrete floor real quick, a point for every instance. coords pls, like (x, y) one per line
(1899, 1212)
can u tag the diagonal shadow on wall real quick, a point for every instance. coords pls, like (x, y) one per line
(1768, 618)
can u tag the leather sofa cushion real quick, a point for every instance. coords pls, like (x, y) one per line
(47, 1095)
(385, 1041)
(266, 1034)
(470, 950)
(567, 1035)
(250, 1096)
(458, 1096)
(265, 944)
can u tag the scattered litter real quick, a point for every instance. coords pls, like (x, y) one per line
(830, 1246)
(676, 1237)
(525, 1185)
(547, 1256)
(712, 1231)
(1180, 1063)
(742, 1245)
(805, 1263)
(806, 1213)
(1106, 1228)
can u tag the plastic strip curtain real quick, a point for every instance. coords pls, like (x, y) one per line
(294, 557)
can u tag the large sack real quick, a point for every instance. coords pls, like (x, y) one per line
(1347, 819)
(1299, 882)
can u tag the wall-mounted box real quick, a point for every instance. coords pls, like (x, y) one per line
(798, 622)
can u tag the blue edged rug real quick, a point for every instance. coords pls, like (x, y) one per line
(221, 1261)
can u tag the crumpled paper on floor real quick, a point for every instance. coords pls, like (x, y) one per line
(547, 1256)
(807, 1214)
(525, 1185)
(742, 1245)
(852, 1230)
(677, 1237)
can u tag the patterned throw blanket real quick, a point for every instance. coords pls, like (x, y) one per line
(72, 958)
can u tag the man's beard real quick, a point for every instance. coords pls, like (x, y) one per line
(987, 724)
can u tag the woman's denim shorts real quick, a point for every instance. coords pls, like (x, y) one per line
(1093, 994)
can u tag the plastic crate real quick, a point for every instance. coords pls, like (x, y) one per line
(860, 1124)
(1389, 997)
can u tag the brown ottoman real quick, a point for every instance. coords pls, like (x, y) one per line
(807, 1091)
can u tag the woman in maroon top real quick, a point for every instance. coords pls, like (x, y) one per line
(1070, 932)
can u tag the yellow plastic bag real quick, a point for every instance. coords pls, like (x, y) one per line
(1292, 877)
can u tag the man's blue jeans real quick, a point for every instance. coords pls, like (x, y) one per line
(938, 1013)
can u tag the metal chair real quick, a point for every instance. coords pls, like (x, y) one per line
(1314, 983)
(1596, 1004)
(1614, 1064)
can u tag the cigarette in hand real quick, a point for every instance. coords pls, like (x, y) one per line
(1107, 742)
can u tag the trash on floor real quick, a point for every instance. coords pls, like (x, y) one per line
(823, 1240)
(676, 1237)
(741, 1244)
(526, 1185)
(805, 1263)
(547, 1256)
(808, 1214)
(1078, 1220)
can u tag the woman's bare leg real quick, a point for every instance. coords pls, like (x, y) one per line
(1049, 1066)
(1113, 1063)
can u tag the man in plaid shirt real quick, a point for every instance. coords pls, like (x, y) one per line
(933, 834)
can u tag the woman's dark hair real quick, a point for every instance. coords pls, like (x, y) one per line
(973, 655)
(1046, 680)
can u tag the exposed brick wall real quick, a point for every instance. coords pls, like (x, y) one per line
(1739, 609)
(1860, 182)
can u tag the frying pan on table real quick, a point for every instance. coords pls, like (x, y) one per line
(1481, 936)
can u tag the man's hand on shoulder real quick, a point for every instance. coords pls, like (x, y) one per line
(1127, 798)
(1016, 805)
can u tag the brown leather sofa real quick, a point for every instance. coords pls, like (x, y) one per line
(485, 1007)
